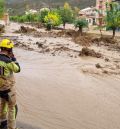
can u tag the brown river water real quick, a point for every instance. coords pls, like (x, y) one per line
(54, 94)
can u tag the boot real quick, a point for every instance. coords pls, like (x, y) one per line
(3, 125)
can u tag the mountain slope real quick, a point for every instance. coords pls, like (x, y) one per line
(20, 5)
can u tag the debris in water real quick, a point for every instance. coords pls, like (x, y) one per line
(98, 66)
(89, 52)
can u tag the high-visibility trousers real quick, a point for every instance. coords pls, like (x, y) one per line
(7, 110)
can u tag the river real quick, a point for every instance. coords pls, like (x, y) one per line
(53, 93)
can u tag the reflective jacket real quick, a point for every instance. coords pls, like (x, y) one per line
(7, 68)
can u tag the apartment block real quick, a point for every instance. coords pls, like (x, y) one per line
(101, 7)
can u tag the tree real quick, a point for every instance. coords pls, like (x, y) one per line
(43, 12)
(81, 23)
(66, 14)
(2, 7)
(101, 21)
(52, 19)
(113, 16)
(76, 12)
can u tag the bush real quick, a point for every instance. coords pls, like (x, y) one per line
(81, 23)
(21, 19)
(49, 26)
(42, 14)
(25, 18)
(14, 18)
(52, 19)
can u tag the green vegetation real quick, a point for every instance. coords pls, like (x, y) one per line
(2, 7)
(67, 14)
(25, 18)
(76, 12)
(81, 23)
(43, 12)
(101, 22)
(29, 17)
(52, 19)
(113, 17)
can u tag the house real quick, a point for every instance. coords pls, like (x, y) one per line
(89, 14)
(95, 15)
(44, 9)
(31, 11)
(101, 7)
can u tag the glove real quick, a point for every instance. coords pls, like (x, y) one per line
(11, 55)
(13, 59)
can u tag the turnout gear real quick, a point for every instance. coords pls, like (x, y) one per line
(7, 109)
(3, 125)
(8, 66)
(5, 95)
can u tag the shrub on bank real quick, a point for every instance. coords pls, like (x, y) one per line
(43, 12)
(25, 18)
(80, 24)
(52, 19)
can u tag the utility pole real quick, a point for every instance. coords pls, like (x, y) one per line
(50, 1)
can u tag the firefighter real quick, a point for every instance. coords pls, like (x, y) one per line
(8, 66)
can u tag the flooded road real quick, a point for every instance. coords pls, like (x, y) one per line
(54, 94)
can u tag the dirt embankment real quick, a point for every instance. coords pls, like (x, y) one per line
(108, 42)
(85, 40)
(75, 35)
(89, 52)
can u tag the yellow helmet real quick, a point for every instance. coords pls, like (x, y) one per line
(6, 43)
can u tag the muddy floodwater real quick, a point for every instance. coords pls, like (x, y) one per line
(54, 94)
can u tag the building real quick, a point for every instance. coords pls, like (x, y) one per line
(101, 10)
(31, 11)
(101, 4)
(95, 15)
(6, 19)
(89, 14)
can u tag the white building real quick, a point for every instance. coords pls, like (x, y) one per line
(31, 11)
(44, 9)
(89, 14)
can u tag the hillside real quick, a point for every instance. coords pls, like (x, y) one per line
(20, 5)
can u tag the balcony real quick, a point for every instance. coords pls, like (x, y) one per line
(100, 6)
(100, 1)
